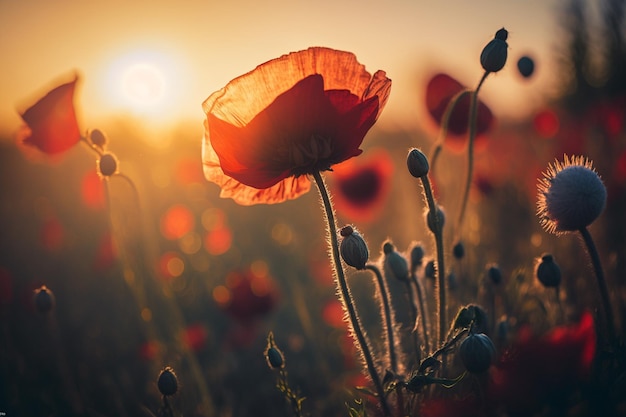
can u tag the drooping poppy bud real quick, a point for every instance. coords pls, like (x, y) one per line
(107, 165)
(417, 256)
(395, 264)
(548, 272)
(493, 57)
(430, 269)
(167, 382)
(98, 138)
(477, 352)
(353, 248)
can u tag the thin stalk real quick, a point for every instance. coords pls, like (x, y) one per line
(441, 270)
(415, 315)
(470, 152)
(345, 295)
(384, 294)
(604, 291)
(423, 312)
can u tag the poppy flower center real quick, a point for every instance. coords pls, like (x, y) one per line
(310, 155)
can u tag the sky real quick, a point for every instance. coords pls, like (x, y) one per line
(157, 60)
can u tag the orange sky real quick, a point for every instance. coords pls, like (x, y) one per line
(198, 46)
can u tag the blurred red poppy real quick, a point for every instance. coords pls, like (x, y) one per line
(440, 90)
(361, 187)
(51, 123)
(291, 116)
(246, 295)
(537, 371)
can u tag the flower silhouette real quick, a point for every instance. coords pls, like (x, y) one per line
(51, 123)
(291, 116)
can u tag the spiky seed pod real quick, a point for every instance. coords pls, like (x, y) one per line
(107, 165)
(570, 196)
(417, 163)
(417, 256)
(548, 272)
(44, 299)
(167, 381)
(353, 248)
(477, 352)
(494, 54)
(494, 274)
(395, 264)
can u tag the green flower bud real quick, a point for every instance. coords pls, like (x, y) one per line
(395, 265)
(417, 163)
(493, 56)
(353, 248)
(477, 353)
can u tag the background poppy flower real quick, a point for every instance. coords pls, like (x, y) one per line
(291, 116)
(440, 90)
(361, 187)
(51, 122)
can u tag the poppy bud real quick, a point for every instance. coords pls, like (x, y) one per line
(98, 138)
(275, 358)
(472, 316)
(458, 250)
(494, 274)
(477, 352)
(353, 248)
(417, 256)
(44, 299)
(548, 272)
(493, 57)
(395, 264)
(167, 381)
(526, 66)
(430, 219)
(417, 163)
(429, 269)
(107, 165)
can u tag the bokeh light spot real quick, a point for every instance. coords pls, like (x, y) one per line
(546, 123)
(190, 243)
(221, 295)
(92, 190)
(282, 234)
(218, 240)
(146, 314)
(177, 221)
(171, 265)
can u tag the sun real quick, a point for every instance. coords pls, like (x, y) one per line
(143, 85)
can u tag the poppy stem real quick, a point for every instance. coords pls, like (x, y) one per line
(470, 152)
(91, 145)
(604, 292)
(386, 310)
(445, 121)
(344, 292)
(422, 311)
(441, 270)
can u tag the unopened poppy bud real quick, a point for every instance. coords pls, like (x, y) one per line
(430, 219)
(417, 163)
(526, 66)
(494, 54)
(477, 353)
(429, 269)
(472, 316)
(417, 256)
(458, 250)
(353, 248)
(494, 274)
(395, 264)
(548, 272)
(44, 299)
(98, 138)
(167, 381)
(107, 165)
(275, 358)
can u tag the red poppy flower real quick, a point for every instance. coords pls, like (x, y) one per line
(440, 90)
(361, 187)
(51, 122)
(537, 371)
(291, 116)
(246, 295)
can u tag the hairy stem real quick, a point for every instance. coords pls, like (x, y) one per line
(344, 293)
(422, 311)
(604, 291)
(384, 294)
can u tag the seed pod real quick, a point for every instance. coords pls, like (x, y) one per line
(494, 274)
(430, 269)
(353, 248)
(526, 66)
(548, 272)
(107, 165)
(430, 219)
(477, 353)
(395, 264)
(417, 256)
(417, 163)
(275, 358)
(98, 138)
(494, 54)
(167, 381)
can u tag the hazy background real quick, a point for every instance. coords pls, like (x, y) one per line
(196, 47)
